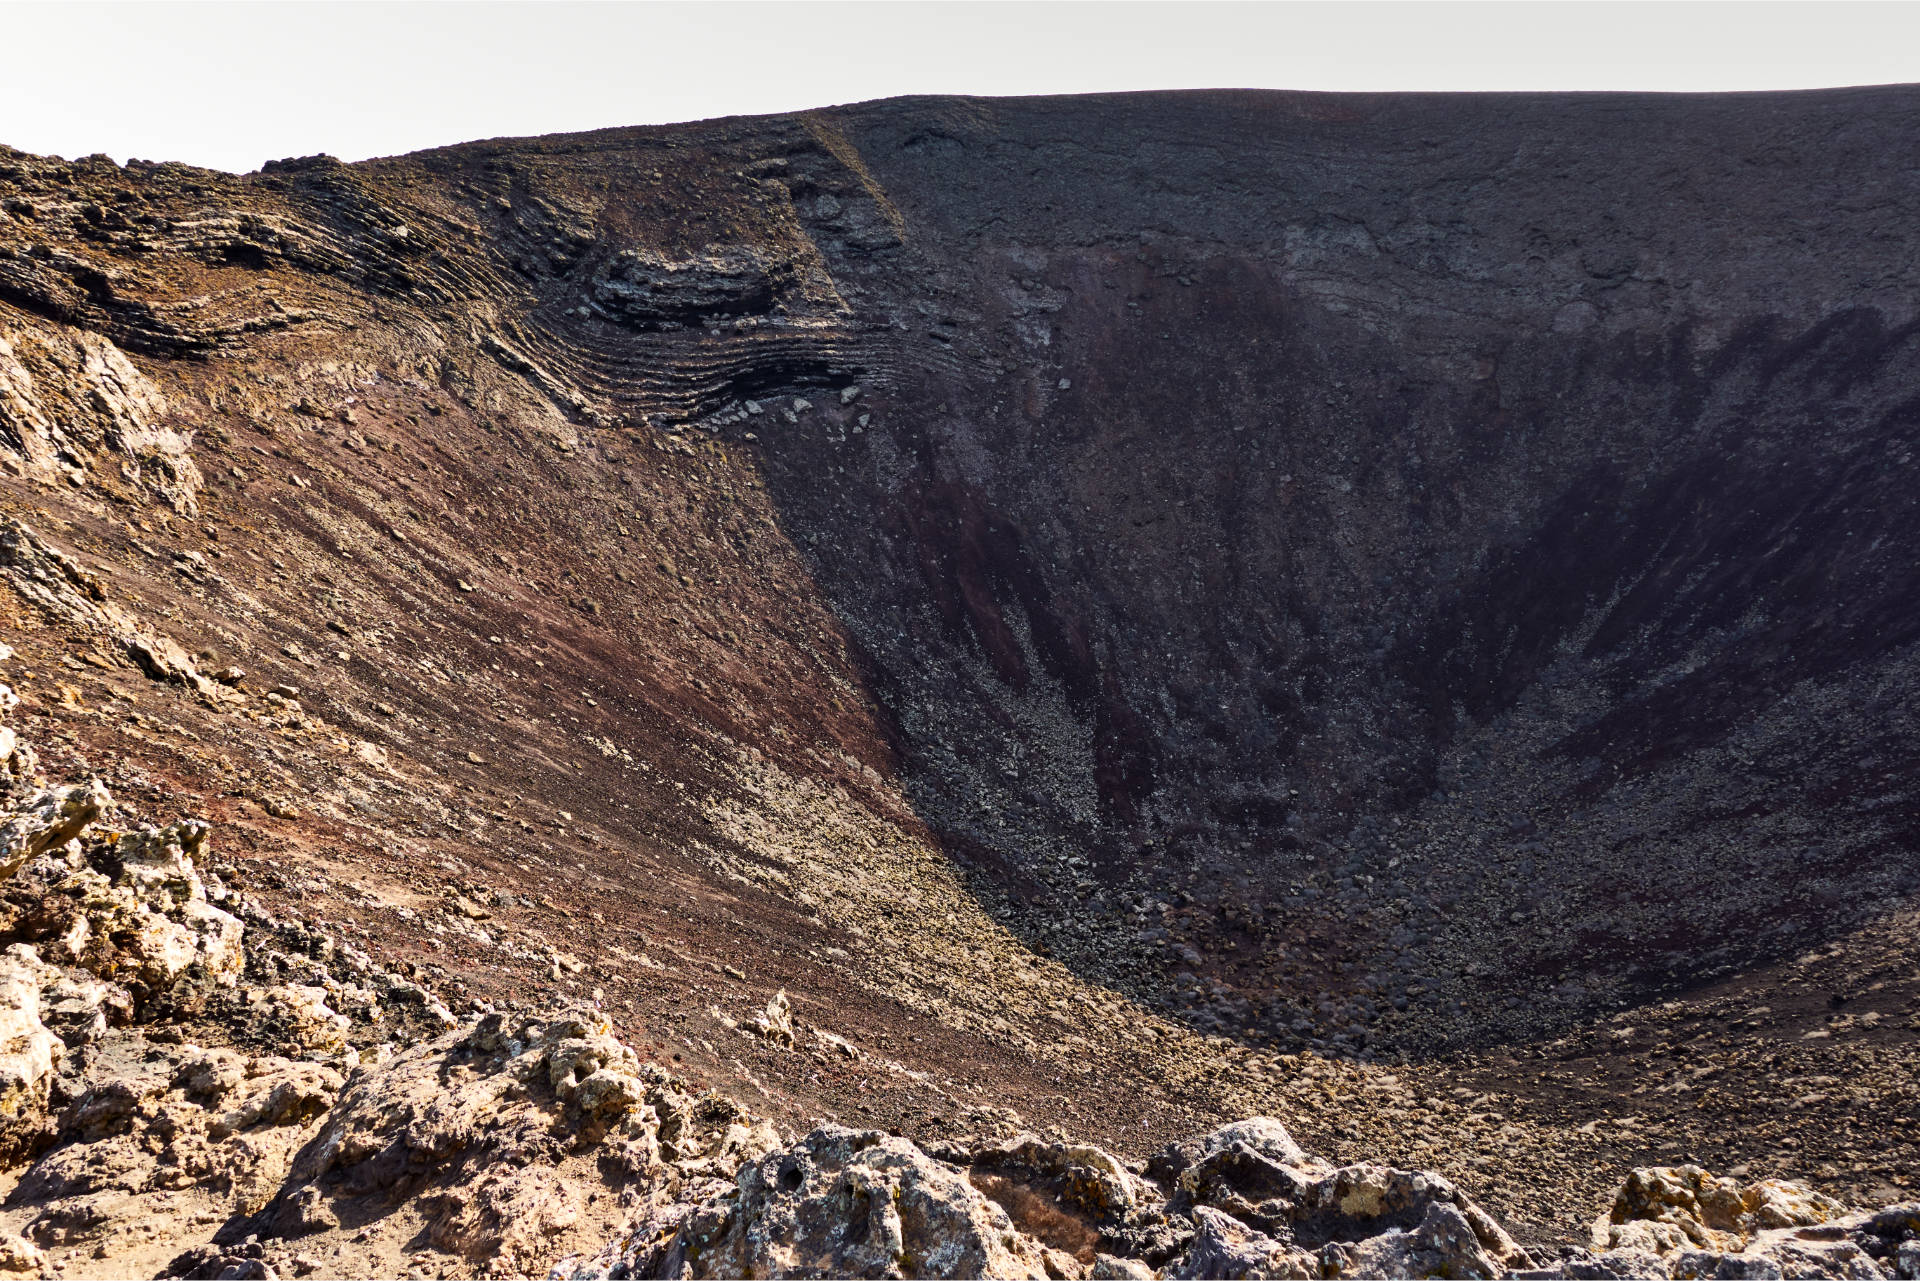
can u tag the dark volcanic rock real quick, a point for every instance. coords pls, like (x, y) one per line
(643, 289)
(1451, 549)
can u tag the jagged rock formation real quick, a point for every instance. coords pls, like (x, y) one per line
(851, 1203)
(1686, 1223)
(124, 1137)
(1384, 613)
(1243, 1202)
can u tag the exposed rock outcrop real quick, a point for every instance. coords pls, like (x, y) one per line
(73, 594)
(128, 1136)
(47, 820)
(859, 1203)
(844, 1203)
(1244, 1202)
(29, 1053)
(1664, 1209)
(644, 289)
(71, 403)
(1683, 1222)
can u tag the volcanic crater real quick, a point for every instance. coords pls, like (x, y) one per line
(1391, 612)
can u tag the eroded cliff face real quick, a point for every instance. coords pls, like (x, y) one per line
(1090, 597)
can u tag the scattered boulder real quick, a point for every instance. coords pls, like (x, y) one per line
(1253, 1193)
(1445, 1243)
(300, 1015)
(19, 1255)
(775, 1023)
(1357, 1218)
(1261, 1134)
(1089, 1179)
(133, 911)
(1075, 1199)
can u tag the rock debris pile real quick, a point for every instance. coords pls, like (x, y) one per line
(1241, 1202)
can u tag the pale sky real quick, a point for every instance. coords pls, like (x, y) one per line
(231, 85)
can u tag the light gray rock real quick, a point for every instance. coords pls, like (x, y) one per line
(71, 400)
(47, 820)
(1443, 1244)
(848, 1203)
(1227, 1248)
(29, 1052)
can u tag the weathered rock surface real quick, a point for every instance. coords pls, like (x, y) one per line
(48, 820)
(642, 289)
(130, 1141)
(29, 1053)
(1665, 1209)
(846, 1203)
(1684, 1222)
(860, 1203)
(1244, 1203)
(72, 403)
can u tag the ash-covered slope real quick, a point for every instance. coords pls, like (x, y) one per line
(1090, 597)
(1454, 551)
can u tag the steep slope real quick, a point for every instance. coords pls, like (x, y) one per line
(1090, 597)
(1427, 536)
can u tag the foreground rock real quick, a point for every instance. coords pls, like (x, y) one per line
(1244, 1201)
(495, 1147)
(1683, 1222)
(142, 1103)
